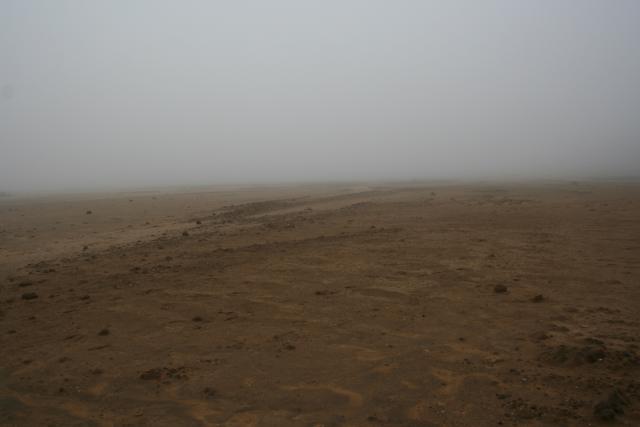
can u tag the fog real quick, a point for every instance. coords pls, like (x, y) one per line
(98, 94)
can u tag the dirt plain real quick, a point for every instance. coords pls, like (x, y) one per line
(409, 304)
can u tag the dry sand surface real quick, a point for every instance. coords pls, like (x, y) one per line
(380, 305)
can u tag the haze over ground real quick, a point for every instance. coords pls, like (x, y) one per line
(120, 93)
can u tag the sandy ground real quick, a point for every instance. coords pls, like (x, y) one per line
(379, 305)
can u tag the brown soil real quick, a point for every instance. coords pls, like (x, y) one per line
(387, 305)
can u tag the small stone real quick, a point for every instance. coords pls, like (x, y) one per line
(604, 412)
(103, 332)
(500, 289)
(608, 409)
(29, 295)
(151, 374)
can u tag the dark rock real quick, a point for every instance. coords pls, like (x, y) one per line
(593, 354)
(103, 332)
(499, 289)
(151, 374)
(608, 409)
(538, 298)
(164, 374)
(604, 412)
(590, 352)
(29, 295)
(540, 336)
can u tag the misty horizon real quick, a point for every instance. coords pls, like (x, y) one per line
(139, 94)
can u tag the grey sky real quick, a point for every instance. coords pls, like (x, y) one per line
(118, 93)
